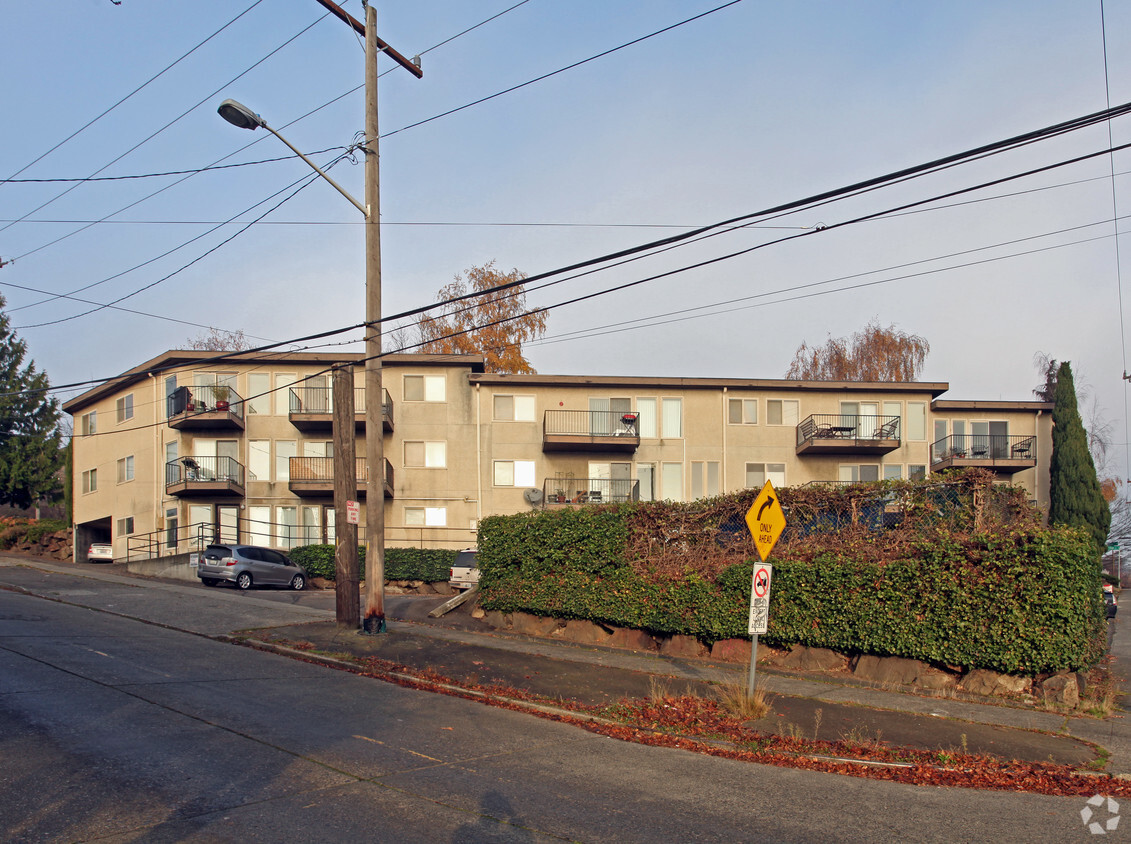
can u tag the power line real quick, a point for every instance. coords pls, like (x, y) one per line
(147, 82)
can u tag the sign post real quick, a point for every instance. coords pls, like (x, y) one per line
(766, 521)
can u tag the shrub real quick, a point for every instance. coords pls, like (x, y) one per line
(431, 565)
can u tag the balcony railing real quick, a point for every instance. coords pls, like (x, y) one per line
(848, 433)
(565, 491)
(1010, 452)
(189, 476)
(590, 430)
(205, 406)
(312, 408)
(315, 476)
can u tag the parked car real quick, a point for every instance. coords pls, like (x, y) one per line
(1111, 603)
(464, 572)
(249, 565)
(100, 552)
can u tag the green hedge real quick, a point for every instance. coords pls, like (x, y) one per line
(431, 565)
(1023, 602)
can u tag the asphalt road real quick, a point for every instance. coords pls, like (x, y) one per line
(115, 729)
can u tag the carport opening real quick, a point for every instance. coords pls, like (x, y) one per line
(87, 533)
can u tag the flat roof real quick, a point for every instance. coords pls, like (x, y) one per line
(934, 388)
(958, 404)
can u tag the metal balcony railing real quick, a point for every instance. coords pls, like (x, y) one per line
(321, 469)
(981, 449)
(847, 426)
(205, 398)
(310, 400)
(567, 490)
(203, 471)
(591, 423)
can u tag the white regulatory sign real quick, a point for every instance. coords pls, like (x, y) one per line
(760, 599)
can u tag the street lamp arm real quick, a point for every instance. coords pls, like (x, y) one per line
(240, 115)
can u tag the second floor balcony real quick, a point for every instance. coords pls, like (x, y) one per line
(567, 491)
(1003, 453)
(312, 408)
(206, 407)
(590, 431)
(205, 477)
(314, 476)
(848, 433)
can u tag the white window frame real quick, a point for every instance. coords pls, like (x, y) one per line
(789, 412)
(671, 425)
(916, 421)
(284, 451)
(521, 408)
(125, 408)
(747, 411)
(433, 388)
(772, 472)
(259, 393)
(90, 481)
(126, 469)
(705, 476)
(125, 525)
(515, 473)
(647, 421)
(426, 516)
(671, 482)
(90, 423)
(259, 460)
(435, 454)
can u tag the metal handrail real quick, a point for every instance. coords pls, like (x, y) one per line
(991, 447)
(305, 399)
(591, 423)
(568, 490)
(203, 470)
(322, 469)
(848, 426)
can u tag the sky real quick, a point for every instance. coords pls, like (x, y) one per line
(745, 108)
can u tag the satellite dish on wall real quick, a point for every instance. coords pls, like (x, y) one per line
(533, 496)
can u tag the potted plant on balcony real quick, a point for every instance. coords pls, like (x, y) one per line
(222, 393)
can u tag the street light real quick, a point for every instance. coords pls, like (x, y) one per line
(374, 619)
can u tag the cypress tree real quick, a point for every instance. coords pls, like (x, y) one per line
(30, 453)
(1075, 498)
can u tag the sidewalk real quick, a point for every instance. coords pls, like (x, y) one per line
(466, 650)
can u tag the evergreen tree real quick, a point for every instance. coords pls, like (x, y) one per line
(1075, 497)
(30, 443)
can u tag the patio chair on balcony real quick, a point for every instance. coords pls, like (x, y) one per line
(192, 469)
(1023, 449)
(594, 496)
(887, 431)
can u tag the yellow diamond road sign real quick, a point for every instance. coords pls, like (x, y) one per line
(766, 520)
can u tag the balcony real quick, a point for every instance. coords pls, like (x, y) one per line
(213, 407)
(571, 492)
(204, 477)
(314, 476)
(590, 431)
(1002, 453)
(847, 433)
(312, 409)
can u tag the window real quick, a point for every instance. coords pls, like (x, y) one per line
(428, 455)
(170, 451)
(170, 389)
(90, 480)
(284, 451)
(125, 407)
(171, 525)
(646, 478)
(259, 392)
(781, 411)
(287, 518)
(743, 411)
(916, 420)
(259, 526)
(916, 472)
(283, 397)
(758, 473)
(311, 526)
(126, 469)
(90, 423)
(514, 473)
(893, 472)
(671, 418)
(862, 473)
(646, 417)
(424, 388)
(704, 478)
(259, 460)
(126, 526)
(425, 516)
(671, 481)
(514, 408)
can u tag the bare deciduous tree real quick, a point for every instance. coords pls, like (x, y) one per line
(216, 340)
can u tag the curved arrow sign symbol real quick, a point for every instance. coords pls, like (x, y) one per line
(769, 502)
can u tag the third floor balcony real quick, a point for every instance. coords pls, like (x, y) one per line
(848, 433)
(314, 476)
(205, 407)
(590, 431)
(312, 409)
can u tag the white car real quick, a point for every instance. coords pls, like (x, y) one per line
(464, 572)
(100, 552)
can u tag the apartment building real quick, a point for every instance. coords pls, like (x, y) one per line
(190, 446)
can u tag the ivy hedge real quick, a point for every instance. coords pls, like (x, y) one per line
(431, 565)
(1026, 600)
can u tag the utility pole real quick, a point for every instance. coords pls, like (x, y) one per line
(348, 608)
(374, 616)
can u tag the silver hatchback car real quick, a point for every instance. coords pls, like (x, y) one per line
(249, 565)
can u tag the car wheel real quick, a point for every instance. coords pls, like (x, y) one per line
(209, 581)
(298, 582)
(244, 580)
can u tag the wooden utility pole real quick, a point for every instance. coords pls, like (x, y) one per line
(374, 618)
(348, 606)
